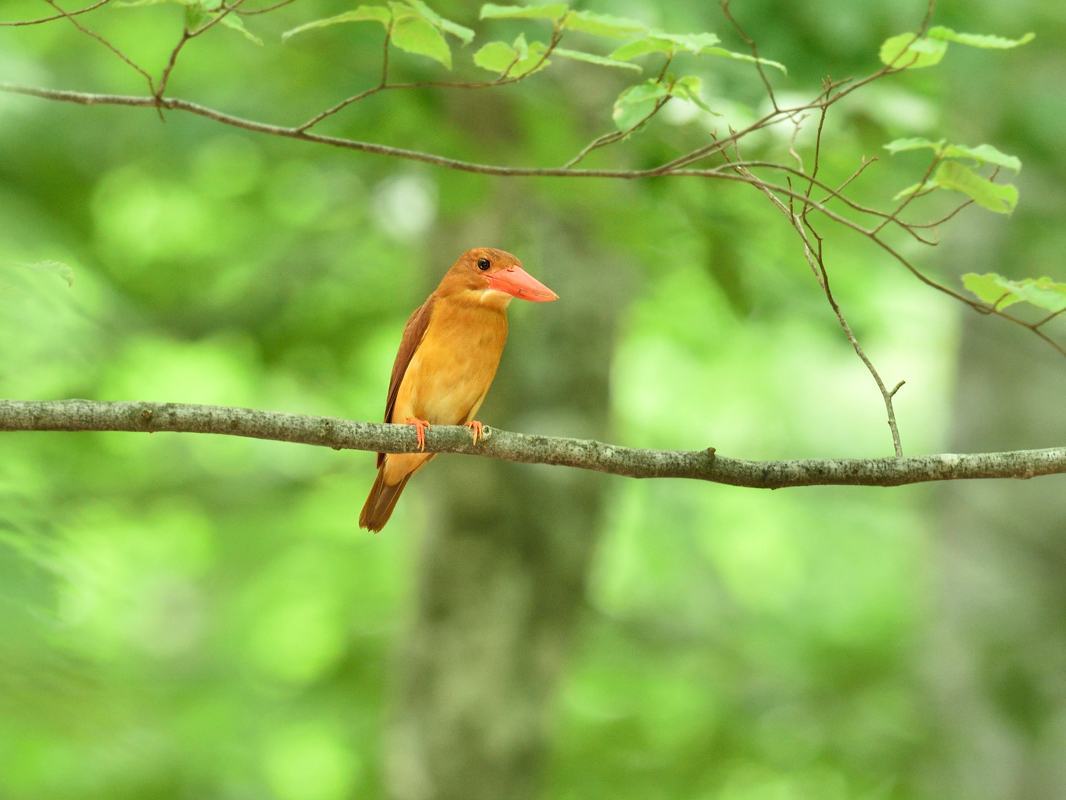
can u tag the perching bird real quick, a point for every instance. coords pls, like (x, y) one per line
(448, 356)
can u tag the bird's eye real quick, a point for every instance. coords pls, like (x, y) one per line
(483, 263)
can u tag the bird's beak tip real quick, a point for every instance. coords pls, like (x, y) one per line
(519, 283)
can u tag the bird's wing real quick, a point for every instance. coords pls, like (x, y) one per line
(413, 333)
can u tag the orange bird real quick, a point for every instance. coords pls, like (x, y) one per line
(448, 356)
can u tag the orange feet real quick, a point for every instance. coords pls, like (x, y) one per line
(421, 426)
(476, 428)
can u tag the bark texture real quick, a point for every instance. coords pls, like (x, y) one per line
(587, 454)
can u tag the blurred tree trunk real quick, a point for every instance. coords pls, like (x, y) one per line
(999, 634)
(1000, 637)
(504, 562)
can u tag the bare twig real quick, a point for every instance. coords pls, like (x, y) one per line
(186, 36)
(267, 10)
(61, 15)
(104, 42)
(503, 80)
(754, 51)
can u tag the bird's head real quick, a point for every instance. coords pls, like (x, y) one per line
(494, 277)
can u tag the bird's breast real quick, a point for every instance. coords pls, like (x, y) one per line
(454, 365)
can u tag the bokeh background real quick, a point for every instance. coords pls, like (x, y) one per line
(186, 616)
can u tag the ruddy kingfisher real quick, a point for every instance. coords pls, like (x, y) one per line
(448, 356)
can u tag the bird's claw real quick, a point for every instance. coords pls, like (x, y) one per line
(476, 428)
(421, 426)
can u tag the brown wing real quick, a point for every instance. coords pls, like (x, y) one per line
(413, 333)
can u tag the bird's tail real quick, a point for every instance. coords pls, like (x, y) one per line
(382, 500)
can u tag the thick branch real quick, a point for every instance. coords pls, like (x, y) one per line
(88, 415)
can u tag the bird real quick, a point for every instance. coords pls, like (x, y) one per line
(449, 352)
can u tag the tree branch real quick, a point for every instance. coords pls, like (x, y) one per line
(340, 434)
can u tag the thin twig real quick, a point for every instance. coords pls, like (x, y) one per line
(1048, 318)
(104, 42)
(754, 51)
(503, 80)
(186, 36)
(61, 15)
(248, 13)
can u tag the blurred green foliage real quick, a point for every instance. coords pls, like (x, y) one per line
(200, 617)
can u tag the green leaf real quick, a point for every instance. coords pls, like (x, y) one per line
(990, 289)
(439, 22)
(689, 88)
(636, 103)
(195, 17)
(552, 11)
(496, 57)
(912, 189)
(719, 51)
(233, 21)
(577, 55)
(672, 44)
(57, 268)
(54, 267)
(978, 40)
(1001, 198)
(917, 143)
(362, 14)
(516, 60)
(641, 47)
(982, 154)
(603, 24)
(906, 51)
(1041, 292)
(668, 43)
(1000, 292)
(413, 33)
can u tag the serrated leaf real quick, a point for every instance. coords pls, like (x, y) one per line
(1000, 292)
(1041, 292)
(591, 58)
(990, 289)
(641, 47)
(237, 24)
(415, 34)
(984, 41)
(905, 51)
(54, 267)
(552, 11)
(603, 24)
(720, 51)
(983, 154)
(668, 43)
(636, 103)
(362, 14)
(998, 197)
(466, 35)
(496, 57)
(698, 43)
(515, 60)
(439, 22)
